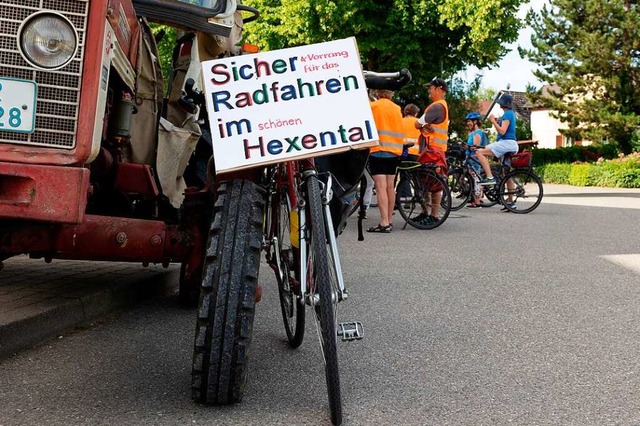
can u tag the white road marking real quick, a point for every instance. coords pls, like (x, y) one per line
(612, 202)
(629, 261)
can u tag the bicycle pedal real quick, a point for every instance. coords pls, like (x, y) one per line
(350, 331)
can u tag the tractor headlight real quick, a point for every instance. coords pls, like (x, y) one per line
(48, 40)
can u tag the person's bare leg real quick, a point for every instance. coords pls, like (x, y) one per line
(380, 182)
(483, 157)
(391, 195)
(511, 186)
(436, 198)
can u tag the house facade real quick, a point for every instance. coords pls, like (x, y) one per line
(546, 129)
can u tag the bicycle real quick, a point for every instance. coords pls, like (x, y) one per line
(462, 179)
(366, 181)
(424, 180)
(299, 238)
(516, 183)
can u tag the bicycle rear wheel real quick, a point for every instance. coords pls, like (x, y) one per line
(420, 212)
(287, 269)
(460, 187)
(525, 194)
(323, 286)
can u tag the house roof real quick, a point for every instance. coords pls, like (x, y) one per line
(546, 91)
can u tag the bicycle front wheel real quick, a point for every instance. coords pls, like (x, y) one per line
(460, 186)
(430, 202)
(287, 269)
(520, 191)
(323, 287)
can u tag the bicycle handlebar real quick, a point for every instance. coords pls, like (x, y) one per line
(387, 80)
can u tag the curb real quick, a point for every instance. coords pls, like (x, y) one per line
(45, 322)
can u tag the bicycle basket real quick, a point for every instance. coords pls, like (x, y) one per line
(522, 160)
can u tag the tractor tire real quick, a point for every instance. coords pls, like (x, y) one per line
(226, 307)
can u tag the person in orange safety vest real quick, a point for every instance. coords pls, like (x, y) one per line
(434, 126)
(411, 135)
(384, 158)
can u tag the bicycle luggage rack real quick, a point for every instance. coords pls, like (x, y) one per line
(350, 331)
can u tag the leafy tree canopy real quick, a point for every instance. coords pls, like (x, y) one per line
(590, 50)
(429, 37)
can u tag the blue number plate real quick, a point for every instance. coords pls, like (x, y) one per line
(17, 105)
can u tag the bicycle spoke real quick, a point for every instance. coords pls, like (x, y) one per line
(461, 188)
(520, 191)
(431, 200)
(291, 304)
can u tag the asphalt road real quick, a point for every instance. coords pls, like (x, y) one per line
(491, 319)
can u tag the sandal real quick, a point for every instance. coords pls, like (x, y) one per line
(380, 229)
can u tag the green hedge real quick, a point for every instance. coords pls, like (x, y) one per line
(590, 153)
(617, 173)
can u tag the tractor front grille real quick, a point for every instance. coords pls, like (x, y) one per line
(58, 98)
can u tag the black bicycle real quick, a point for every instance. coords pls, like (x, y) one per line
(430, 202)
(463, 178)
(519, 188)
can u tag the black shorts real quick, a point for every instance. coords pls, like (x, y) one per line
(383, 166)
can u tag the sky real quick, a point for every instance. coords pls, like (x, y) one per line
(512, 70)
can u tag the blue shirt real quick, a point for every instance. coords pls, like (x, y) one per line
(511, 131)
(483, 140)
(383, 154)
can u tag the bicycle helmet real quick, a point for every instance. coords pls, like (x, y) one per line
(473, 116)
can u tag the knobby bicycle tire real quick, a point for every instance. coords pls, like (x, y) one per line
(287, 269)
(423, 181)
(323, 282)
(526, 195)
(460, 187)
(226, 310)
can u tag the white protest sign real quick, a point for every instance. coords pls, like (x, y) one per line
(287, 104)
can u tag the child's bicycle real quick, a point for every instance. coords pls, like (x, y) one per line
(519, 189)
(463, 179)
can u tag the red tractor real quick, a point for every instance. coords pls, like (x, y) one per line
(98, 161)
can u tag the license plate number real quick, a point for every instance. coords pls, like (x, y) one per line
(17, 105)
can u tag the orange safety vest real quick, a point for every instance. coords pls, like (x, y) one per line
(411, 134)
(440, 135)
(388, 118)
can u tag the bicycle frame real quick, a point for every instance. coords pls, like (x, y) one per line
(293, 175)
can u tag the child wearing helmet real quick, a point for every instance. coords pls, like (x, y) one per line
(477, 139)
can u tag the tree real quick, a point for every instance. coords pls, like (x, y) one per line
(590, 50)
(431, 38)
(462, 99)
